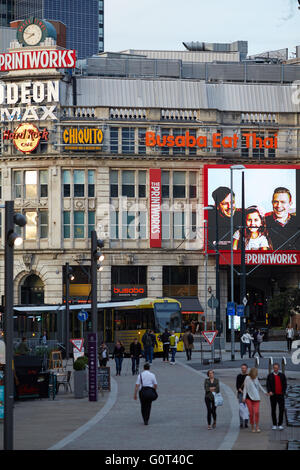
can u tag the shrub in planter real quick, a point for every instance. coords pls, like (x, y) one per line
(80, 377)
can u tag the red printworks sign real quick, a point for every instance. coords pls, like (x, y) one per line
(155, 208)
(47, 59)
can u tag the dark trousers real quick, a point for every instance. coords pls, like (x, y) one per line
(274, 400)
(211, 410)
(118, 361)
(256, 349)
(103, 362)
(188, 354)
(289, 343)
(166, 352)
(246, 346)
(135, 361)
(145, 407)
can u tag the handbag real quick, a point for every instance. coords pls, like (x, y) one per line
(218, 399)
(244, 412)
(148, 392)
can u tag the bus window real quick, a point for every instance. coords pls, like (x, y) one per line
(165, 318)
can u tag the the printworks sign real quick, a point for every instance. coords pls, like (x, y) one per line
(82, 138)
(155, 209)
(29, 100)
(28, 60)
(26, 137)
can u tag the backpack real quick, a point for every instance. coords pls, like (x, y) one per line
(190, 338)
(148, 340)
(172, 341)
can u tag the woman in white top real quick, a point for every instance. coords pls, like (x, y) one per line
(289, 337)
(252, 398)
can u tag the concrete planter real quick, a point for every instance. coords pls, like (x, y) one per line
(80, 383)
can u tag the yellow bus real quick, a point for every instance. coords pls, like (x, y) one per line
(132, 321)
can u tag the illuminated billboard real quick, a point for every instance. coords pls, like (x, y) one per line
(272, 223)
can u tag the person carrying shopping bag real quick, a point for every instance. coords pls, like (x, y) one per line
(252, 398)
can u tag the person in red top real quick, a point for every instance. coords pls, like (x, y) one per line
(276, 387)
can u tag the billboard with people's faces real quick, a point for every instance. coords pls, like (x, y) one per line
(272, 222)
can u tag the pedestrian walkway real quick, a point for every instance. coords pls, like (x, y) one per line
(178, 418)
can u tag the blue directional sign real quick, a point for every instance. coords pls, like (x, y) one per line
(82, 315)
(240, 310)
(230, 308)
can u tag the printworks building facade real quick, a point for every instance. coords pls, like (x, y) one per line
(85, 166)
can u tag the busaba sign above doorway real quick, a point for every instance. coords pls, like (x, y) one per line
(26, 137)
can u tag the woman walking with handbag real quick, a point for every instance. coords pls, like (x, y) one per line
(211, 386)
(147, 384)
(252, 398)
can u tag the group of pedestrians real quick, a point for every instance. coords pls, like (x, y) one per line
(248, 393)
(247, 338)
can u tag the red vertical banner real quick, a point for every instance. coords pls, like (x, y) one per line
(155, 208)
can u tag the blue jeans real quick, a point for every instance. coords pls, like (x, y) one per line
(173, 352)
(148, 353)
(118, 361)
(135, 364)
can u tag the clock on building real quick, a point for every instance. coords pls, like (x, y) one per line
(33, 31)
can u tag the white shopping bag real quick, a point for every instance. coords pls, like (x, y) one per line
(244, 412)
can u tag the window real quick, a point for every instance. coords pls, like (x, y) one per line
(114, 140)
(128, 225)
(43, 183)
(128, 183)
(142, 141)
(67, 224)
(178, 225)
(193, 226)
(31, 225)
(114, 225)
(258, 152)
(43, 222)
(91, 183)
(78, 183)
(67, 183)
(244, 149)
(142, 225)
(113, 180)
(30, 184)
(179, 184)
(192, 150)
(91, 222)
(165, 225)
(165, 184)
(180, 281)
(127, 139)
(176, 149)
(165, 132)
(192, 184)
(142, 183)
(78, 224)
(18, 183)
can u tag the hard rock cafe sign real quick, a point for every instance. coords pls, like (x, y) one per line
(26, 137)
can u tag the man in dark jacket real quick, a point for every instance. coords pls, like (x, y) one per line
(276, 388)
(165, 339)
(135, 354)
(239, 388)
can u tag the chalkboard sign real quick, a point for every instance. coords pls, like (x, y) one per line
(104, 378)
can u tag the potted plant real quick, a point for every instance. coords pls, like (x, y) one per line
(80, 377)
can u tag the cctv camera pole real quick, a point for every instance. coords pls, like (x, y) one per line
(8, 321)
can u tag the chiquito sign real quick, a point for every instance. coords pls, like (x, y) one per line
(29, 101)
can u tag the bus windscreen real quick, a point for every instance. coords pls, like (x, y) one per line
(167, 315)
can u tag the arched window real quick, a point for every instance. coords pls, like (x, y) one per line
(32, 291)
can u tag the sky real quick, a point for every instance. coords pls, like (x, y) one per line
(165, 24)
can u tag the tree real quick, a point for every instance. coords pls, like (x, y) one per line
(284, 305)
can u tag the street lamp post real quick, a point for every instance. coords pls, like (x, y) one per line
(69, 277)
(11, 240)
(233, 167)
